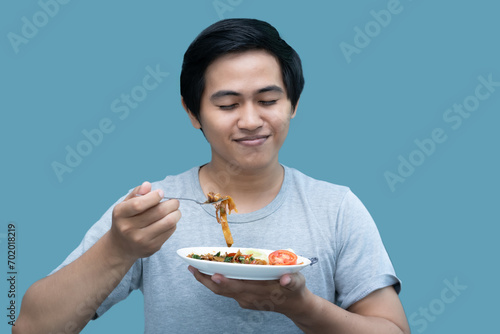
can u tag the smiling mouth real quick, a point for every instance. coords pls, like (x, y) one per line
(252, 140)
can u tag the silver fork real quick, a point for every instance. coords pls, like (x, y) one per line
(193, 200)
(189, 199)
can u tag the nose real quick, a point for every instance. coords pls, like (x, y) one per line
(249, 118)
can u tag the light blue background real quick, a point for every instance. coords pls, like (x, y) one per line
(354, 120)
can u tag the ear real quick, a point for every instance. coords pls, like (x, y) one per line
(294, 111)
(194, 121)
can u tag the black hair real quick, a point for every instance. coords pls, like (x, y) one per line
(237, 35)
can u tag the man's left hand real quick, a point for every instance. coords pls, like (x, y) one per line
(284, 295)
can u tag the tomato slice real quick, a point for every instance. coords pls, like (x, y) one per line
(282, 257)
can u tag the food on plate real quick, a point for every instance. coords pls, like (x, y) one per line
(222, 209)
(278, 258)
(237, 257)
(282, 257)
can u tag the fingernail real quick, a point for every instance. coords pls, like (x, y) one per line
(191, 270)
(160, 192)
(286, 280)
(216, 280)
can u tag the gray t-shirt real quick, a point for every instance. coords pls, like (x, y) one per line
(314, 218)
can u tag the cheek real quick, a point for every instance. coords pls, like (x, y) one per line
(215, 128)
(281, 123)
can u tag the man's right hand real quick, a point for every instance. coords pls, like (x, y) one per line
(72, 295)
(142, 224)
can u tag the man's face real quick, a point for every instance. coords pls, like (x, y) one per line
(245, 113)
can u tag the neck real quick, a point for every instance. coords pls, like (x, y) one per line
(251, 190)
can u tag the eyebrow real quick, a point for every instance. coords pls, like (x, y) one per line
(271, 88)
(222, 93)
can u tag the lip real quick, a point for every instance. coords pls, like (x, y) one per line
(252, 140)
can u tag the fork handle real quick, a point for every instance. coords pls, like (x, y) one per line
(193, 200)
(178, 198)
(182, 199)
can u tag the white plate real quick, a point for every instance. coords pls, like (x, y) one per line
(238, 270)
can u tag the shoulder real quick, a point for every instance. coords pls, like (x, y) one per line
(322, 196)
(316, 188)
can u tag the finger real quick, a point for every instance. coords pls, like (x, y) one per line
(153, 240)
(159, 240)
(292, 281)
(137, 205)
(161, 230)
(156, 213)
(204, 279)
(236, 287)
(143, 189)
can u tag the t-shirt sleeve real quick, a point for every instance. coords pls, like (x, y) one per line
(362, 263)
(132, 279)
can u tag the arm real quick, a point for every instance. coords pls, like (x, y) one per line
(66, 300)
(379, 312)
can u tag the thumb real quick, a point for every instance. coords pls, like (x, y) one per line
(143, 189)
(292, 281)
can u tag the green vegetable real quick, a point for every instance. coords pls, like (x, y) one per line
(228, 258)
(196, 256)
(218, 254)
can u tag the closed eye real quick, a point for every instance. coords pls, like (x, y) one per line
(228, 107)
(268, 103)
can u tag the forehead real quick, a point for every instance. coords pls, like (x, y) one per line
(243, 71)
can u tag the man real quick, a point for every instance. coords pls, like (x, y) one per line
(240, 84)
